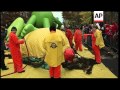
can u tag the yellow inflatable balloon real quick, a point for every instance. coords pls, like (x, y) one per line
(34, 41)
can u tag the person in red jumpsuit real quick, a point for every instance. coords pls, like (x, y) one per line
(14, 45)
(69, 35)
(68, 56)
(95, 48)
(97, 42)
(78, 39)
(114, 27)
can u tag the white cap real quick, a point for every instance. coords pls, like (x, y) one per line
(98, 25)
(62, 27)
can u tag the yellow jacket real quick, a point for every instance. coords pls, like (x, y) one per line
(54, 44)
(99, 38)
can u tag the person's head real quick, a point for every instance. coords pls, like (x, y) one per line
(76, 27)
(69, 54)
(2, 28)
(53, 27)
(14, 29)
(62, 28)
(67, 27)
(81, 27)
(94, 27)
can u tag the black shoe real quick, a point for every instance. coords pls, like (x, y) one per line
(5, 68)
(89, 72)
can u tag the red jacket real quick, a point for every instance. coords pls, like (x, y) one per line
(14, 42)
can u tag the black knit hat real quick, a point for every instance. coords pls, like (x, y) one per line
(53, 27)
(14, 29)
(76, 27)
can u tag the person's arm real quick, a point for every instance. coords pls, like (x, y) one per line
(74, 36)
(81, 34)
(65, 42)
(86, 35)
(71, 35)
(16, 40)
(44, 48)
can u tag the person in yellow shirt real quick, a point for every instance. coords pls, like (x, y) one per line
(53, 45)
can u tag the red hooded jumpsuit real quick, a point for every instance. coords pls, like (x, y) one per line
(69, 35)
(95, 48)
(14, 45)
(78, 39)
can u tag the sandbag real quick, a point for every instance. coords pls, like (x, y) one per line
(35, 62)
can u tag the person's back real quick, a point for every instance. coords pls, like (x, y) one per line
(69, 35)
(77, 35)
(78, 39)
(54, 49)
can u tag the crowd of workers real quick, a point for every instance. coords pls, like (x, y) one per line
(54, 42)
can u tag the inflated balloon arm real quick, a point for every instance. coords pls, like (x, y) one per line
(27, 29)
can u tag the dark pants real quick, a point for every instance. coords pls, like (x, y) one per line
(2, 58)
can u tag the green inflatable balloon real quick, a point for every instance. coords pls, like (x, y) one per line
(37, 20)
(44, 19)
(19, 24)
(28, 28)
